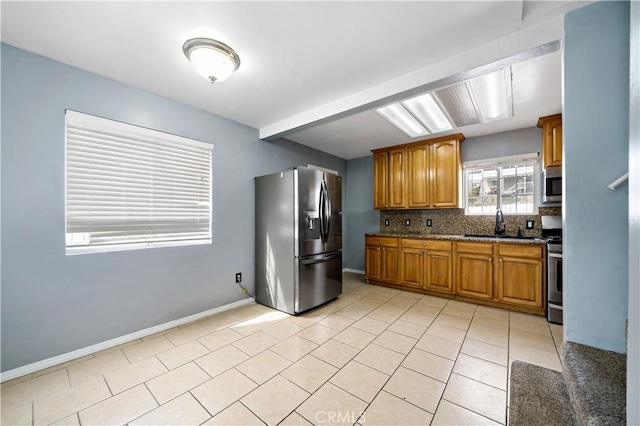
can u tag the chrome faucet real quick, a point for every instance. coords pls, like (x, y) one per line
(500, 219)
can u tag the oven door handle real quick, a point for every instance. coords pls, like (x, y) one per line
(555, 255)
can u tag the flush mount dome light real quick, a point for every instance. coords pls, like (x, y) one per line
(213, 60)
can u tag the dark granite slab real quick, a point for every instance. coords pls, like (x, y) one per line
(458, 238)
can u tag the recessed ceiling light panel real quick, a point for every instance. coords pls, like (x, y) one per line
(402, 119)
(427, 110)
(493, 94)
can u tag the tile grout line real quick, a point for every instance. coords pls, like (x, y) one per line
(454, 361)
(400, 365)
(406, 308)
(353, 359)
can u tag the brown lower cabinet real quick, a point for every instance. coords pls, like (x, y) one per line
(381, 259)
(520, 275)
(427, 264)
(499, 274)
(474, 272)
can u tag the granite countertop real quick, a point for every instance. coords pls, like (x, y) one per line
(488, 239)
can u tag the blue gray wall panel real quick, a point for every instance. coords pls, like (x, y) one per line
(361, 217)
(52, 303)
(596, 146)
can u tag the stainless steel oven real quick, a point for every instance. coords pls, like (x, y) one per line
(552, 185)
(554, 284)
(552, 232)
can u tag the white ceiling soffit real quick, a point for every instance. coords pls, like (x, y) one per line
(303, 63)
(536, 91)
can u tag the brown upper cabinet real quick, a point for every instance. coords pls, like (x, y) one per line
(551, 126)
(418, 175)
(389, 190)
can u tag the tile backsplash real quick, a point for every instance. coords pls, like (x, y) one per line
(455, 222)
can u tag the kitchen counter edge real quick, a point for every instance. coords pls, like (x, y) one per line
(459, 238)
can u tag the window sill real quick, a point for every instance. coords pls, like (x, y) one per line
(72, 251)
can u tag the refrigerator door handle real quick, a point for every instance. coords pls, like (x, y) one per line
(320, 259)
(321, 213)
(328, 208)
(324, 217)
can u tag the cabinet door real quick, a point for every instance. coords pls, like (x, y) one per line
(372, 263)
(520, 281)
(474, 275)
(554, 155)
(444, 166)
(389, 265)
(397, 170)
(551, 140)
(419, 176)
(439, 271)
(380, 178)
(411, 267)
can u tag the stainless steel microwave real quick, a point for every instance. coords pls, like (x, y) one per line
(552, 185)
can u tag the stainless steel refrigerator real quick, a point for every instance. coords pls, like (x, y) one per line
(298, 239)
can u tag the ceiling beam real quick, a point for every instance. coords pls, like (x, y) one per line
(527, 43)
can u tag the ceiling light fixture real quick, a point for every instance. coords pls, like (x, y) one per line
(486, 98)
(212, 59)
(402, 119)
(493, 94)
(429, 112)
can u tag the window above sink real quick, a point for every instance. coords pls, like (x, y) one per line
(506, 183)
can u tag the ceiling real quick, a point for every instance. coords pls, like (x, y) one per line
(311, 71)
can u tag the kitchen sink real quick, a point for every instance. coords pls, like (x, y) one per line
(507, 237)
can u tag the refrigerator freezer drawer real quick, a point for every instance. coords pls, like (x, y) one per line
(319, 280)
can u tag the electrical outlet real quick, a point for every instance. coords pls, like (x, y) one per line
(429, 223)
(529, 224)
(386, 222)
(407, 222)
(239, 277)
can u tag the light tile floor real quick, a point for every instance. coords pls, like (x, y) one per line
(373, 356)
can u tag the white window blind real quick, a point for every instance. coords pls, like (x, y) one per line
(129, 187)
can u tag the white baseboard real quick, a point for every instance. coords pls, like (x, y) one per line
(69, 356)
(355, 271)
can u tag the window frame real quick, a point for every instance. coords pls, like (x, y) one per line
(499, 163)
(123, 127)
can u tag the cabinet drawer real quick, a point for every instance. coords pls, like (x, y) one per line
(427, 244)
(417, 244)
(475, 248)
(439, 245)
(517, 250)
(381, 241)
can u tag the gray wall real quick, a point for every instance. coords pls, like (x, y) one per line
(596, 145)
(52, 303)
(633, 344)
(361, 217)
(522, 141)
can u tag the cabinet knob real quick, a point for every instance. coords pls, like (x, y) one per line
(391, 204)
(420, 254)
(424, 244)
(490, 259)
(384, 249)
(500, 259)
